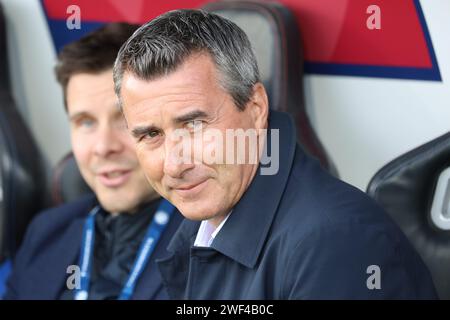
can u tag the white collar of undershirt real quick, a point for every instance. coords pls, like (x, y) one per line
(207, 233)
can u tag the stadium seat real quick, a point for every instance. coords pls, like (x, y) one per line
(22, 177)
(415, 190)
(274, 34)
(67, 183)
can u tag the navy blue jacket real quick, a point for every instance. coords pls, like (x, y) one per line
(52, 243)
(299, 234)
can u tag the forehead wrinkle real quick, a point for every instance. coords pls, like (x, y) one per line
(166, 101)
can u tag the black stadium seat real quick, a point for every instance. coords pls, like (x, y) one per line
(67, 183)
(415, 191)
(22, 178)
(274, 34)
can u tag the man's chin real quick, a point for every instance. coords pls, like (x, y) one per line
(115, 204)
(116, 209)
(195, 213)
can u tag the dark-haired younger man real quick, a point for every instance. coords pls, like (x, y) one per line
(104, 245)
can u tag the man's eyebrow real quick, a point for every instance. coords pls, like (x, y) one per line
(193, 115)
(139, 131)
(77, 115)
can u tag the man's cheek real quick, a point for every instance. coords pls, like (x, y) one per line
(159, 188)
(144, 161)
(81, 157)
(153, 175)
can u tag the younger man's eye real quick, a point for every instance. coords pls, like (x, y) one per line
(86, 123)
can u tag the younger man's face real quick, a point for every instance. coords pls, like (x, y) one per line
(102, 146)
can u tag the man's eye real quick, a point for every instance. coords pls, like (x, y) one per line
(86, 123)
(153, 134)
(194, 125)
(150, 135)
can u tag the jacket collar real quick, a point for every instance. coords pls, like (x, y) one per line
(244, 234)
(150, 285)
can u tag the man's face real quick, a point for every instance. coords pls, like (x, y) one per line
(102, 146)
(190, 98)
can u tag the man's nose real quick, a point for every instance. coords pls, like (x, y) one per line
(108, 142)
(177, 159)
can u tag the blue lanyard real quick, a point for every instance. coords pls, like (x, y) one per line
(160, 220)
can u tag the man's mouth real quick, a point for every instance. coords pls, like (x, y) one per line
(114, 178)
(190, 190)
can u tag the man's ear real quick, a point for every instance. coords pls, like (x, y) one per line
(259, 106)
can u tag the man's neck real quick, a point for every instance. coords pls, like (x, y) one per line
(216, 221)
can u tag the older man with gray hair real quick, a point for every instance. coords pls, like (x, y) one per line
(294, 233)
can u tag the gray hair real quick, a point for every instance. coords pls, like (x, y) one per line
(160, 46)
